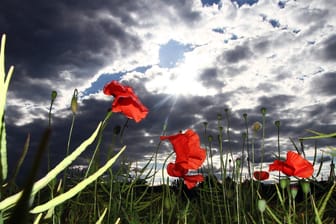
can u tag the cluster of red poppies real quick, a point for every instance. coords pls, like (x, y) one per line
(189, 154)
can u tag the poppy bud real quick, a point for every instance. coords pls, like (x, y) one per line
(294, 190)
(74, 104)
(244, 135)
(263, 111)
(261, 205)
(305, 185)
(219, 116)
(210, 138)
(245, 116)
(205, 124)
(169, 203)
(277, 123)
(256, 126)
(284, 182)
(53, 95)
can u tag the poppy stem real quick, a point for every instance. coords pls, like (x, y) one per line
(123, 130)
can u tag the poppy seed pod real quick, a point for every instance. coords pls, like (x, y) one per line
(305, 186)
(294, 190)
(263, 111)
(210, 138)
(277, 123)
(261, 205)
(284, 182)
(53, 95)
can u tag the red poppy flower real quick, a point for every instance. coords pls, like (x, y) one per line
(189, 155)
(261, 175)
(294, 165)
(125, 101)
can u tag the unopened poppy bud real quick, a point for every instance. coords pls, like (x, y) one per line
(53, 95)
(261, 205)
(167, 203)
(219, 116)
(284, 182)
(256, 126)
(263, 111)
(277, 123)
(294, 190)
(305, 186)
(74, 104)
(205, 124)
(244, 135)
(210, 138)
(245, 116)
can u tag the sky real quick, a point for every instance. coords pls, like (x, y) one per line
(187, 60)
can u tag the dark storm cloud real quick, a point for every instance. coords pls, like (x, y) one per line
(330, 48)
(209, 78)
(184, 10)
(276, 102)
(239, 53)
(44, 39)
(63, 34)
(324, 84)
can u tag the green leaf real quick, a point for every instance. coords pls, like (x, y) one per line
(318, 135)
(99, 221)
(3, 153)
(76, 189)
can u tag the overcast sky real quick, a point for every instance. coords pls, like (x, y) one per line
(187, 60)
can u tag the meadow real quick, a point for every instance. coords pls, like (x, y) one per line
(100, 194)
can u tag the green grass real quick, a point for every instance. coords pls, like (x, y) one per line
(103, 195)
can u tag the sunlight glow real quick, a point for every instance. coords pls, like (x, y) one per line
(182, 80)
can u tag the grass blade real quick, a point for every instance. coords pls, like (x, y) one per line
(76, 189)
(21, 159)
(21, 209)
(99, 221)
(10, 201)
(3, 153)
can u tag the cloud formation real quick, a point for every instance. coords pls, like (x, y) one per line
(239, 55)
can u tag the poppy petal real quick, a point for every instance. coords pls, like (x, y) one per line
(175, 170)
(302, 167)
(261, 175)
(125, 101)
(192, 180)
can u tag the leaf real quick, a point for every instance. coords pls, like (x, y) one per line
(318, 135)
(21, 159)
(76, 189)
(3, 153)
(324, 204)
(99, 221)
